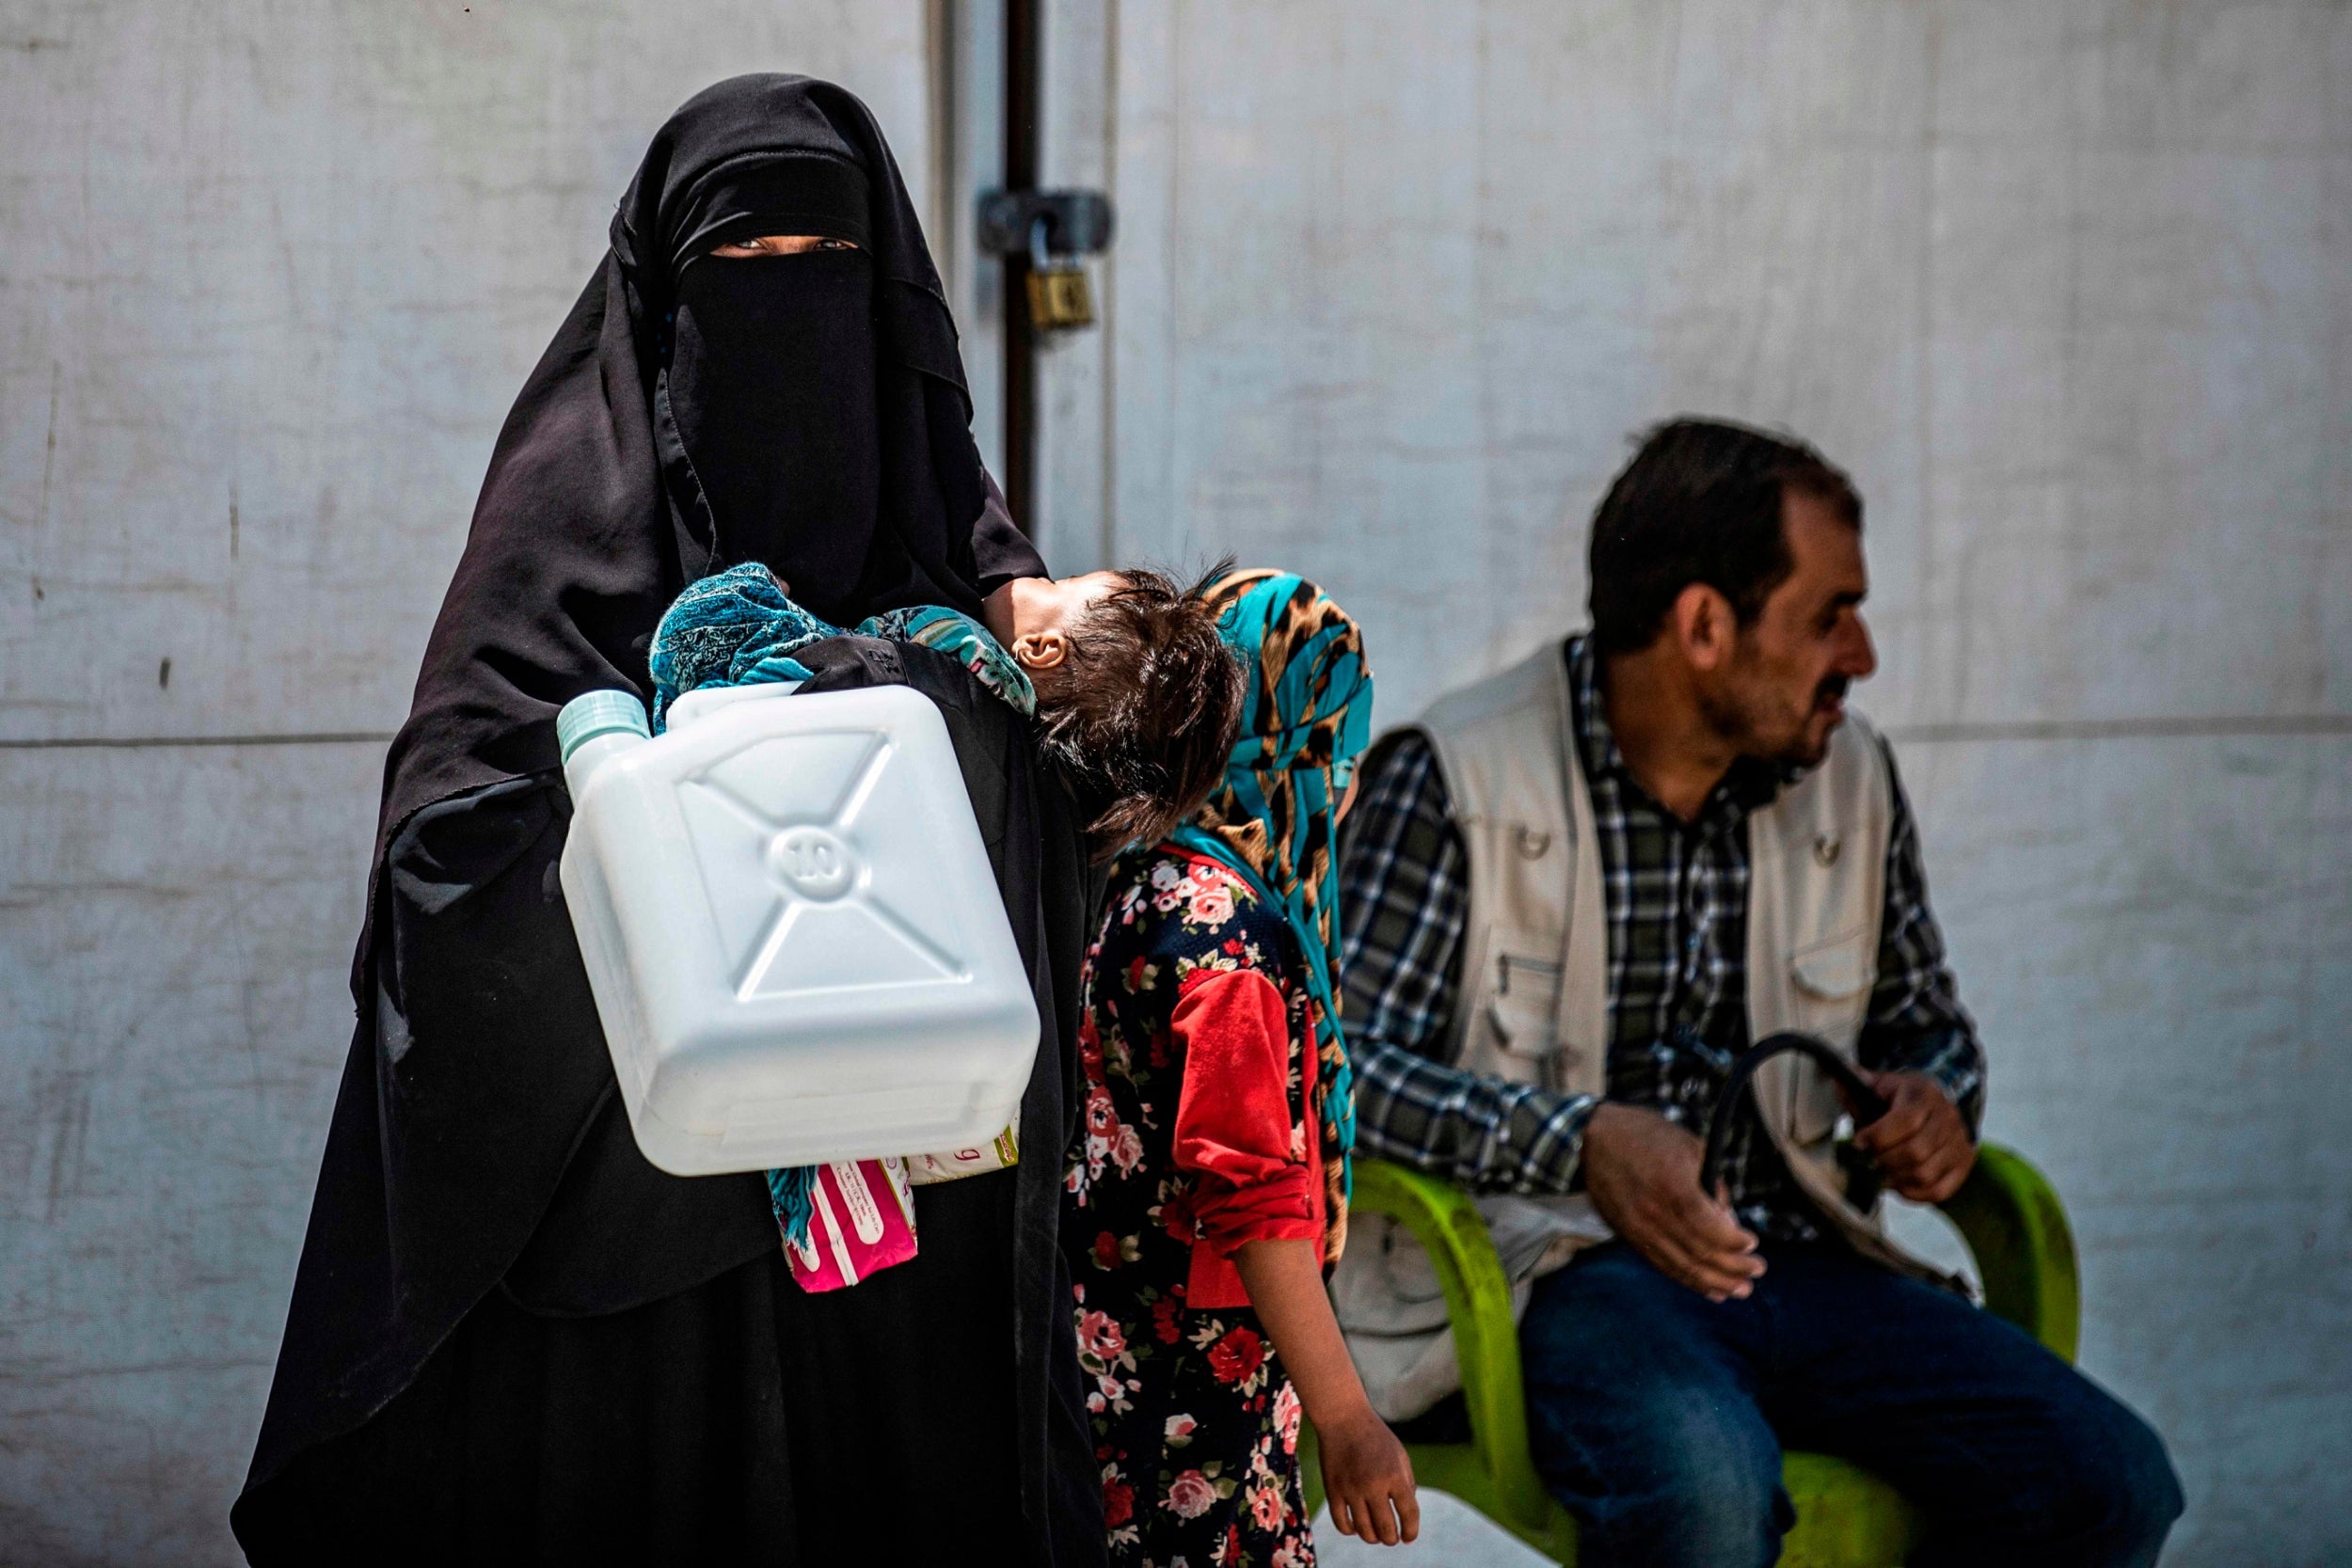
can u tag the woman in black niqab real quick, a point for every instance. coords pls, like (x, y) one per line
(512, 1339)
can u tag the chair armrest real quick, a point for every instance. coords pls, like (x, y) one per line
(1486, 1337)
(2024, 1250)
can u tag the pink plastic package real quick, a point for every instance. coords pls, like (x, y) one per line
(864, 1221)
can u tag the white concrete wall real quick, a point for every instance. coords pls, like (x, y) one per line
(270, 274)
(2064, 283)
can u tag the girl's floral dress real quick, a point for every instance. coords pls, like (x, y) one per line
(1196, 1139)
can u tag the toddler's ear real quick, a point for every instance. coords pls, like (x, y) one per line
(1040, 650)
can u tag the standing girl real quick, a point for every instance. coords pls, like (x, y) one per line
(1208, 1191)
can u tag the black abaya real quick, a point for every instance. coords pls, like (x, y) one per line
(643, 1382)
(512, 1339)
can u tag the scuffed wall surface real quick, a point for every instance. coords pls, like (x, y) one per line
(174, 930)
(2061, 284)
(270, 274)
(2064, 284)
(274, 274)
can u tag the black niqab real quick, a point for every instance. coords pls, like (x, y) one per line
(491, 1266)
(771, 383)
(594, 516)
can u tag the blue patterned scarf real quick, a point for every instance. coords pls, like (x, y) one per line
(739, 627)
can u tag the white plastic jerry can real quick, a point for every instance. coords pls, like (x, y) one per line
(795, 940)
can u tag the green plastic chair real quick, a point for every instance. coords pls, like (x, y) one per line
(1846, 1516)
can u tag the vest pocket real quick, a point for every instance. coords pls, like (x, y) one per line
(1524, 1009)
(1828, 997)
(1835, 969)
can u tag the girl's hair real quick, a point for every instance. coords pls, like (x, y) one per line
(1146, 704)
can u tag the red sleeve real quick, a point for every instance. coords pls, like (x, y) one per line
(1233, 1120)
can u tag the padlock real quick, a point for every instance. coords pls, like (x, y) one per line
(1059, 299)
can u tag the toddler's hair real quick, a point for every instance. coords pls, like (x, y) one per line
(1146, 704)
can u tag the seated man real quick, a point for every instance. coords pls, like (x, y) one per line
(1574, 894)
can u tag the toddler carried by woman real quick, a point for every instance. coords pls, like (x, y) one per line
(740, 627)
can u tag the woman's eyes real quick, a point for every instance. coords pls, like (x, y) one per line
(770, 245)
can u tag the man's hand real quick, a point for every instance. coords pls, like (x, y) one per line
(1642, 1173)
(1920, 1143)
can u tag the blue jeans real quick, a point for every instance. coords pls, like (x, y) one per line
(1658, 1418)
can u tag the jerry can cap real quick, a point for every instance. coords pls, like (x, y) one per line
(595, 713)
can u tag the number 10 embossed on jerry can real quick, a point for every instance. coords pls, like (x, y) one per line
(796, 945)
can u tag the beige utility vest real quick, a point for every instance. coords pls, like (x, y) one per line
(1534, 1005)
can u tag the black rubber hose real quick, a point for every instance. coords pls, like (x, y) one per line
(1866, 1102)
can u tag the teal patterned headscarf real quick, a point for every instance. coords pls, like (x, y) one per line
(1306, 719)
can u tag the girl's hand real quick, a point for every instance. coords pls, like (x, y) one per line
(1368, 1480)
(1365, 1473)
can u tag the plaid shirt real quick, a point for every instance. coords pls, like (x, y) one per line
(1676, 899)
